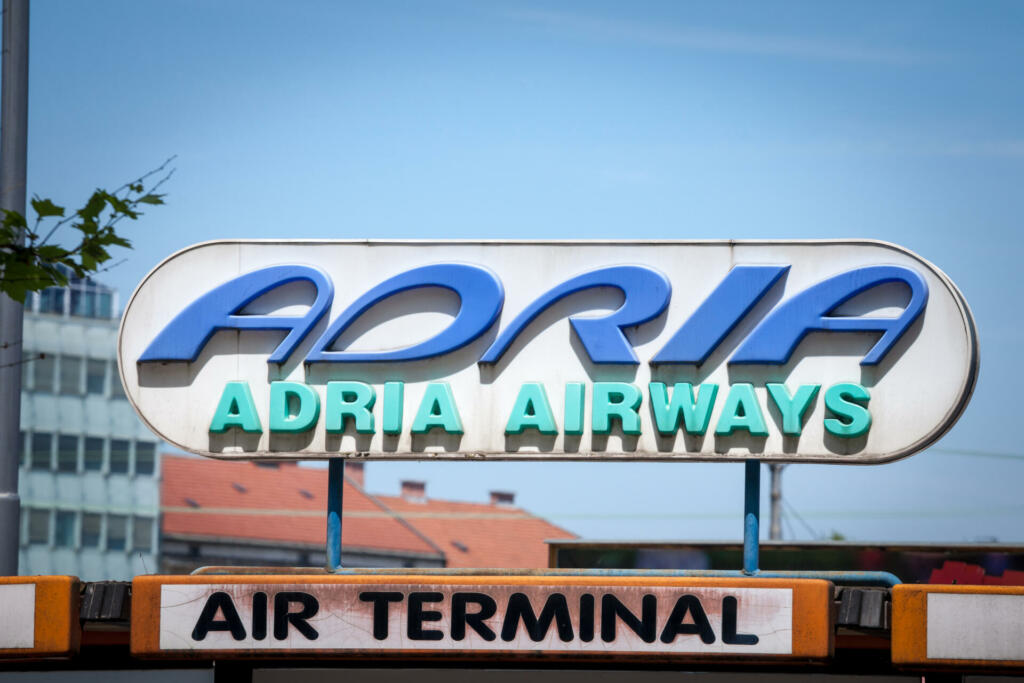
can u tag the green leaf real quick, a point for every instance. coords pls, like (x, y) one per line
(51, 252)
(45, 208)
(151, 199)
(117, 204)
(26, 266)
(15, 290)
(94, 206)
(13, 219)
(88, 227)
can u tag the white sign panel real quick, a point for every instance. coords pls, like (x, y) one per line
(987, 627)
(468, 618)
(18, 627)
(843, 352)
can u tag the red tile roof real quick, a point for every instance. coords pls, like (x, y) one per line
(199, 498)
(245, 501)
(480, 535)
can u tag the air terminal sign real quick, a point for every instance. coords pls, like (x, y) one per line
(640, 618)
(827, 351)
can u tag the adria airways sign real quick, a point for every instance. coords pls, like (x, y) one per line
(848, 351)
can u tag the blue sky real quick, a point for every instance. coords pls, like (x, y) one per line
(899, 121)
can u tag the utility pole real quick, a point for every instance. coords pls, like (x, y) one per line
(775, 530)
(13, 144)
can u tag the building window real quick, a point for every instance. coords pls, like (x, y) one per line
(71, 375)
(116, 390)
(117, 532)
(145, 457)
(41, 451)
(105, 307)
(91, 530)
(52, 300)
(65, 529)
(119, 456)
(142, 534)
(67, 454)
(82, 297)
(93, 454)
(83, 301)
(21, 448)
(39, 526)
(96, 376)
(43, 369)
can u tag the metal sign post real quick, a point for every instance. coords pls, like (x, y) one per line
(751, 545)
(335, 496)
(13, 141)
(751, 516)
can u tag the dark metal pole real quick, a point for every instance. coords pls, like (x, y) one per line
(751, 516)
(775, 530)
(335, 493)
(13, 143)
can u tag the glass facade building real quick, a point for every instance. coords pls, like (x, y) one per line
(89, 479)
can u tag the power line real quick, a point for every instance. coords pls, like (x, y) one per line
(800, 519)
(1002, 455)
(787, 525)
(916, 513)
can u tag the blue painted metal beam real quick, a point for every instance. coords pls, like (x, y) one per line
(852, 578)
(857, 578)
(335, 493)
(751, 516)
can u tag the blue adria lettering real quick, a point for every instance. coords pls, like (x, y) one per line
(479, 290)
(220, 309)
(775, 339)
(646, 293)
(646, 290)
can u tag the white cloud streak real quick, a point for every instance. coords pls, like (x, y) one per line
(1004, 149)
(715, 40)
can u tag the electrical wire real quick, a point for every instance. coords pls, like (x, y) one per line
(1002, 455)
(800, 519)
(787, 523)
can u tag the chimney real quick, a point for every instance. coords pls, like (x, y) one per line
(414, 491)
(354, 471)
(503, 498)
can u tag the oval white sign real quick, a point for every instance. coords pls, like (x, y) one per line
(821, 351)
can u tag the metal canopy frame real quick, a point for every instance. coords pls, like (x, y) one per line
(751, 544)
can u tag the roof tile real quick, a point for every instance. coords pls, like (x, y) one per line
(243, 500)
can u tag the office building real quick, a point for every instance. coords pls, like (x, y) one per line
(89, 478)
